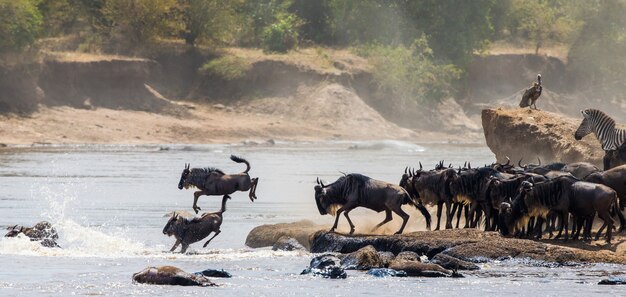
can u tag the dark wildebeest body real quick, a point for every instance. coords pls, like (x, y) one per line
(356, 190)
(470, 187)
(189, 231)
(537, 200)
(532, 94)
(42, 232)
(504, 190)
(587, 199)
(170, 275)
(433, 188)
(214, 182)
(615, 178)
(580, 170)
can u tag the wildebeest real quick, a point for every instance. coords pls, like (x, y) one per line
(355, 190)
(615, 178)
(432, 188)
(532, 94)
(188, 231)
(562, 195)
(170, 275)
(537, 200)
(580, 169)
(42, 232)
(214, 182)
(587, 199)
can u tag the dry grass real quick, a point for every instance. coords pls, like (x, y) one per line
(86, 57)
(319, 59)
(559, 51)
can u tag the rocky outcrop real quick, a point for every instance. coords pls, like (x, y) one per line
(449, 262)
(528, 134)
(464, 244)
(326, 266)
(268, 235)
(286, 243)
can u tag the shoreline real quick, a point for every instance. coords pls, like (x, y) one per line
(205, 124)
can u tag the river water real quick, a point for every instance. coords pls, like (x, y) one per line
(109, 204)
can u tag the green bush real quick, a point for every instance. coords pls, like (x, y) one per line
(410, 73)
(226, 67)
(20, 23)
(282, 35)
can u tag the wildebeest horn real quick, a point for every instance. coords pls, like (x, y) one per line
(450, 166)
(519, 163)
(421, 166)
(469, 165)
(405, 169)
(464, 164)
(508, 161)
(539, 161)
(413, 173)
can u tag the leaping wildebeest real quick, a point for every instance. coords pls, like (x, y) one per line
(214, 182)
(353, 190)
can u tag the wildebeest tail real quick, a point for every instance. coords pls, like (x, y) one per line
(241, 160)
(409, 200)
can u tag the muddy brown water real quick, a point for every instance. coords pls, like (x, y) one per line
(109, 205)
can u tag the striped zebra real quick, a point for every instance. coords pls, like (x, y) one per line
(603, 127)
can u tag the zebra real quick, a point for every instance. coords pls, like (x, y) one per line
(603, 127)
(532, 94)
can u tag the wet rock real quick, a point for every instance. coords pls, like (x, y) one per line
(327, 266)
(449, 262)
(214, 273)
(170, 275)
(386, 272)
(408, 256)
(386, 258)
(267, 235)
(614, 280)
(287, 243)
(363, 259)
(478, 252)
(42, 232)
(415, 268)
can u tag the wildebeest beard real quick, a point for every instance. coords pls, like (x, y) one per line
(333, 196)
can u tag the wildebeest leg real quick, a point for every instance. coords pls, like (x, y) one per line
(473, 214)
(448, 215)
(578, 226)
(458, 215)
(606, 217)
(564, 217)
(252, 193)
(588, 226)
(184, 248)
(466, 209)
(385, 221)
(207, 242)
(349, 221)
(175, 245)
(538, 230)
(346, 207)
(195, 200)
(439, 207)
(622, 221)
(404, 216)
(454, 209)
(487, 210)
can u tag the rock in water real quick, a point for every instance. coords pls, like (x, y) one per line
(287, 243)
(214, 273)
(415, 268)
(170, 275)
(385, 272)
(327, 266)
(449, 262)
(363, 259)
(614, 280)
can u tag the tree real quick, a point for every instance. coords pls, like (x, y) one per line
(135, 23)
(211, 20)
(20, 24)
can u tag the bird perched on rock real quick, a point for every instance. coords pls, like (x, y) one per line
(532, 94)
